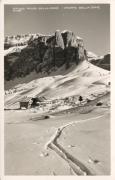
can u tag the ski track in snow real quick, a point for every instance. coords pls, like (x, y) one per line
(76, 167)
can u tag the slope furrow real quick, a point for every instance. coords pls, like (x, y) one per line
(78, 167)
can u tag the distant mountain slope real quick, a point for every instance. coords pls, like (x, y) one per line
(103, 61)
(91, 55)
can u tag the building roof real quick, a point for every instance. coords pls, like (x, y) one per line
(25, 99)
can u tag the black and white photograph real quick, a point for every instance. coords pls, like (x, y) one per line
(57, 89)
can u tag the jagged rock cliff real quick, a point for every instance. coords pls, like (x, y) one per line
(42, 53)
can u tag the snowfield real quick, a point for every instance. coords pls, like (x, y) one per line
(82, 147)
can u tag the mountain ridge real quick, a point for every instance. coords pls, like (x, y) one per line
(22, 39)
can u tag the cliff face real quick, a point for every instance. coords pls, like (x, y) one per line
(42, 53)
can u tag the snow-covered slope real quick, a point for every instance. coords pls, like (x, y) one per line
(85, 79)
(93, 56)
(14, 49)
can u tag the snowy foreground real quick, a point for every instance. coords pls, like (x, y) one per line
(68, 143)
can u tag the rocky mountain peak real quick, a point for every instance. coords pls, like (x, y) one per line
(40, 52)
(59, 39)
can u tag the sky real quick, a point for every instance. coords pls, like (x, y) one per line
(89, 21)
